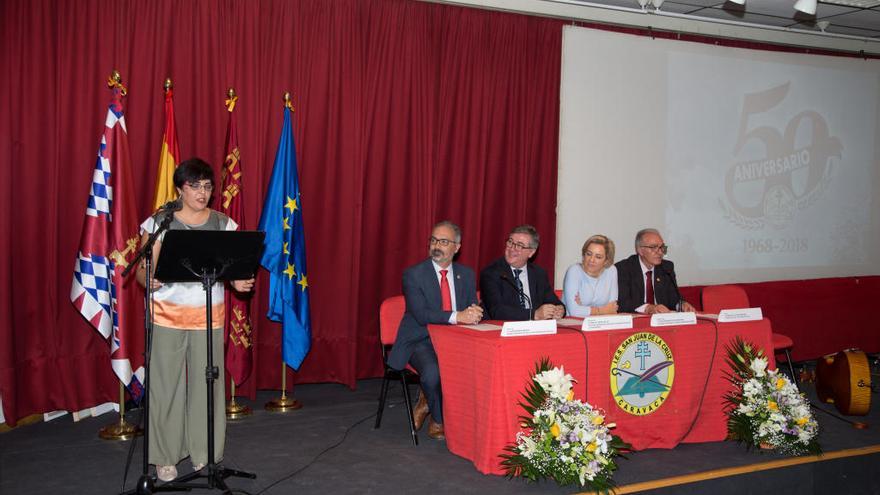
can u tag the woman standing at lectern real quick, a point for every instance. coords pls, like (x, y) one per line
(178, 358)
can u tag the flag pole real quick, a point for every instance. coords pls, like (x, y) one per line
(237, 321)
(283, 403)
(121, 430)
(236, 410)
(283, 250)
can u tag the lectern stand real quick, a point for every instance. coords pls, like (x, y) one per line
(208, 256)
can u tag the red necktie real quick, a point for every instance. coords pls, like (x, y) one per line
(649, 288)
(445, 295)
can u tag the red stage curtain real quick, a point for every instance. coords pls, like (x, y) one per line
(406, 113)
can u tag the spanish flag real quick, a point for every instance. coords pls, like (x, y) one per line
(169, 157)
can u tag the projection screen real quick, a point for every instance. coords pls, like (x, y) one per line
(754, 165)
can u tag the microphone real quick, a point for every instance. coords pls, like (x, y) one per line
(671, 275)
(506, 277)
(170, 206)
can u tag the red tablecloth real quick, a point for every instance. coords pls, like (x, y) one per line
(483, 376)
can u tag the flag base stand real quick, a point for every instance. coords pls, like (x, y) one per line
(237, 410)
(283, 404)
(120, 431)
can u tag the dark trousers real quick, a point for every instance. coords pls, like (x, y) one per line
(424, 360)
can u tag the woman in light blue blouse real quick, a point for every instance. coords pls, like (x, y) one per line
(590, 287)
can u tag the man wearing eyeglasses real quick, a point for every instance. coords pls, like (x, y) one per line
(645, 281)
(514, 289)
(437, 291)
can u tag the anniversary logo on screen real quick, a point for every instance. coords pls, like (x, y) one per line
(787, 169)
(642, 370)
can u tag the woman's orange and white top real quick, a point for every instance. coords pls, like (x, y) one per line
(181, 305)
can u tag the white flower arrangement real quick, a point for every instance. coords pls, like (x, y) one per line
(563, 439)
(766, 410)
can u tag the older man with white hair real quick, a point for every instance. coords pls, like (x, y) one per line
(646, 282)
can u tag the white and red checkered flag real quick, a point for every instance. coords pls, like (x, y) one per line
(108, 243)
(239, 347)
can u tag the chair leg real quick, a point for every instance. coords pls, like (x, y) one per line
(382, 395)
(794, 377)
(409, 411)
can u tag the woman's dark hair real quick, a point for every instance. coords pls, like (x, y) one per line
(192, 171)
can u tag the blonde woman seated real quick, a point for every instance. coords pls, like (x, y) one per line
(590, 287)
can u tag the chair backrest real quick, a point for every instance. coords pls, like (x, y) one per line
(390, 313)
(718, 297)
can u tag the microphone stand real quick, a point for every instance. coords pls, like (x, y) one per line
(216, 474)
(522, 293)
(146, 483)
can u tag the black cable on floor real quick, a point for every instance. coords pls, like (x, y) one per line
(316, 457)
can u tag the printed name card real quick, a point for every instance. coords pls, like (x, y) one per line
(521, 328)
(607, 322)
(673, 319)
(743, 314)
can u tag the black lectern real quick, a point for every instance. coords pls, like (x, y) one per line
(208, 256)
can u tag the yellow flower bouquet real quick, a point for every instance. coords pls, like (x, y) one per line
(562, 438)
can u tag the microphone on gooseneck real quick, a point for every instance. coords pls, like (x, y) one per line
(506, 277)
(175, 205)
(671, 276)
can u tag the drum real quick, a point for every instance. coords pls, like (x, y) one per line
(844, 379)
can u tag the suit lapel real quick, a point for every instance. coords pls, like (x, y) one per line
(459, 287)
(640, 282)
(533, 286)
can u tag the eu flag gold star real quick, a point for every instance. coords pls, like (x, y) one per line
(286, 225)
(284, 249)
(304, 282)
(291, 271)
(291, 205)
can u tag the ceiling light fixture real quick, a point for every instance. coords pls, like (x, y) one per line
(806, 6)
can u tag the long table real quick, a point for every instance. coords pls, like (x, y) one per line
(483, 376)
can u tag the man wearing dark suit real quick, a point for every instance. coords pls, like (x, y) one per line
(645, 281)
(437, 291)
(514, 289)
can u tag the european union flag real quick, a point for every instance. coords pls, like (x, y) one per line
(284, 254)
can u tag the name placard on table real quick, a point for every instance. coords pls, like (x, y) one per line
(673, 319)
(523, 328)
(742, 314)
(607, 322)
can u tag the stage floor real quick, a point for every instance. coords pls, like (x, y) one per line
(294, 453)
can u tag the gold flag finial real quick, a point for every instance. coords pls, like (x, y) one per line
(231, 98)
(167, 84)
(115, 81)
(287, 102)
